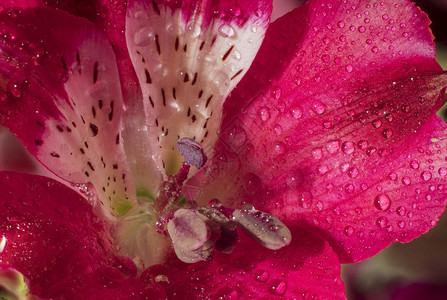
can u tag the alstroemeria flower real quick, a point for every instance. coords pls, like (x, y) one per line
(332, 132)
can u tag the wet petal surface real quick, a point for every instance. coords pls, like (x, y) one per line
(62, 98)
(341, 135)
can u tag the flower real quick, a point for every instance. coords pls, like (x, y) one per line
(333, 131)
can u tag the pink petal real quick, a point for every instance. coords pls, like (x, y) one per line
(306, 268)
(52, 236)
(188, 56)
(63, 100)
(330, 146)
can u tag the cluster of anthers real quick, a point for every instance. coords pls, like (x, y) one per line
(197, 231)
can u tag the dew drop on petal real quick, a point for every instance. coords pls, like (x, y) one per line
(392, 176)
(278, 287)
(264, 113)
(348, 230)
(261, 275)
(226, 31)
(414, 164)
(347, 147)
(296, 112)
(442, 171)
(318, 107)
(401, 210)
(426, 175)
(381, 222)
(382, 202)
(333, 146)
(317, 153)
(143, 36)
(406, 180)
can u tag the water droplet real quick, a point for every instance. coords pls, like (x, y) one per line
(278, 129)
(99, 90)
(401, 210)
(377, 123)
(362, 29)
(442, 171)
(374, 49)
(222, 81)
(317, 153)
(264, 113)
(426, 175)
(236, 55)
(387, 133)
(18, 88)
(296, 112)
(382, 202)
(143, 36)
(347, 147)
(353, 172)
(381, 222)
(333, 146)
(406, 180)
(305, 201)
(226, 31)
(341, 24)
(279, 149)
(392, 176)
(295, 179)
(414, 164)
(349, 68)
(348, 230)
(318, 107)
(40, 57)
(278, 287)
(401, 224)
(261, 275)
(174, 29)
(193, 29)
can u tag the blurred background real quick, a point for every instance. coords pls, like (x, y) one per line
(413, 271)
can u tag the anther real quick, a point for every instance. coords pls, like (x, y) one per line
(192, 152)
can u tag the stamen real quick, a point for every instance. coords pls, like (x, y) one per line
(171, 190)
(263, 227)
(192, 152)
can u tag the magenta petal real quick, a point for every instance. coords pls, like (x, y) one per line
(307, 268)
(51, 235)
(349, 147)
(61, 96)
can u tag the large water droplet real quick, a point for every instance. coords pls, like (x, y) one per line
(264, 113)
(296, 112)
(333, 146)
(347, 147)
(226, 31)
(317, 153)
(193, 29)
(261, 275)
(381, 222)
(143, 36)
(278, 287)
(426, 175)
(382, 202)
(414, 164)
(318, 107)
(442, 171)
(406, 180)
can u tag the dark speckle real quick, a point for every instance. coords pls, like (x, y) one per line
(94, 129)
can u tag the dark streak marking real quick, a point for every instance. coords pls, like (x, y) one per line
(156, 122)
(74, 124)
(148, 76)
(100, 104)
(164, 165)
(208, 101)
(115, 166)
(111, 112)
(60, 128)
(95, 72)
(82, 118)
(68, 129)
(82, 151)
(157, 43)
(93, 112)
(213, 41)
(117, 140)
(201, 45)
(227, 53)
(72, 101)
(195, 79)
(206, 133)
(103, 189)
(152, 102)
(64, 64)
(206, 123)
(54, 154)
(78, 60)
(185, 48)
(186, 79)
(194, 118)
(86, 145)
(166, 132)
(94, 129)
(87, 174)
(103, 163)
(189, 111)
(200, 94)
(91, 166)
(162, 128)
(38, 142)
(123, 176)
(176, 43)
(237, 74)
(173, 93)
(155, 6)
(164, 96)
